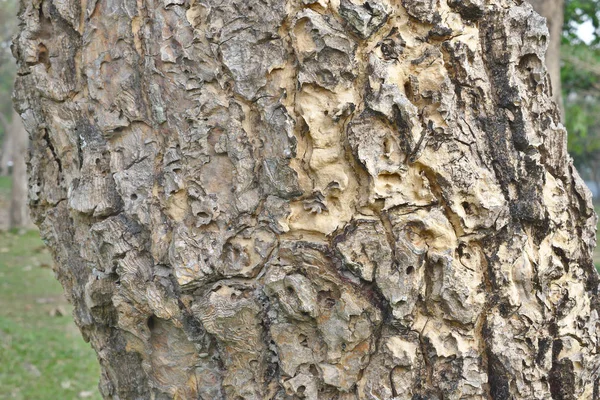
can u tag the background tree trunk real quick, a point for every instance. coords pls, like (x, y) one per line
(6, 157)
(19, 210)
(13, 161)
(321, 200)
(553, 11)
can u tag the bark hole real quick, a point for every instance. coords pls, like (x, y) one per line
(151, 322)
(303, 340)
(467, 207)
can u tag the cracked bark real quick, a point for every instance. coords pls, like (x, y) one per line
(311, 199)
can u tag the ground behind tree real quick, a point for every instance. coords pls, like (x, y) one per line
(42, 352)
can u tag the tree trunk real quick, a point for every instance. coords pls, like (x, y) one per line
(8, 151)
(19, 210)
(553, 11)
(310, 199)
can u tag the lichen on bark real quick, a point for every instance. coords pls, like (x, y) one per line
(270, 199)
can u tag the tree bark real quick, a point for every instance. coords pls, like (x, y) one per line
(19, 209)
(553, 11)
(311, 199)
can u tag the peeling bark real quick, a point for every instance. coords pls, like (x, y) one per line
(311, 199)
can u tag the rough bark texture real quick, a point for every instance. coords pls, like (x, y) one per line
(553, 11)
(269, 199)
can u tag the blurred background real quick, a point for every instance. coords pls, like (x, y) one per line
(41, 352)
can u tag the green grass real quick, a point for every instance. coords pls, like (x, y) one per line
(5, 185)
(42, 357)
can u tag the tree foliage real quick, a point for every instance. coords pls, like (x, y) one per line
(580, 76)
(578, 12)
